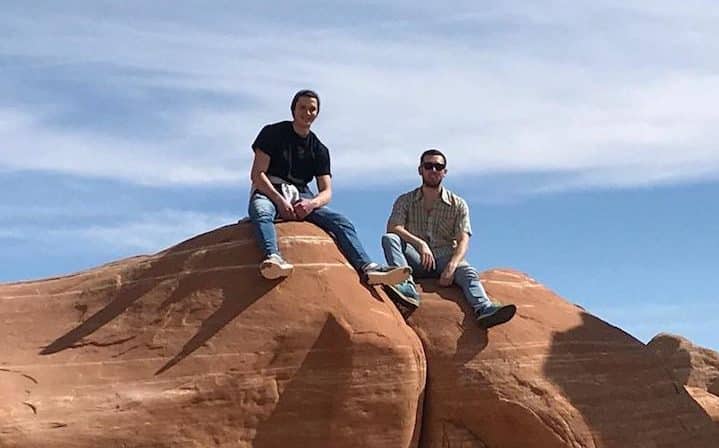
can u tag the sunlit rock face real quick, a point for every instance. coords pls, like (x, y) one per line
(190, 347)
(554, 376)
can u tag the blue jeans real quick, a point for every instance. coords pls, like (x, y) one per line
(263, 212)
(399, 253)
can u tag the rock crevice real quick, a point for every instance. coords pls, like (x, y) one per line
(191, 348)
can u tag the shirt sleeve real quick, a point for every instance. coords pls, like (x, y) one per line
(322, 160)
(399, 212)
(462, 223)
(264, 141)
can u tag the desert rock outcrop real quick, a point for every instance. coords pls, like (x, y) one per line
(554, 376)
(694, 367)
(191, 348)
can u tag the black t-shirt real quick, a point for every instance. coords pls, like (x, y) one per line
(294, 158)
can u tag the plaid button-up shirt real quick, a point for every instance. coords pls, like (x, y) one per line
(438, 227)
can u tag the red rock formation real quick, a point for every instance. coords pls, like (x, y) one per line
(191, 348)
(696, 368)
(554, 376)
(707, 400)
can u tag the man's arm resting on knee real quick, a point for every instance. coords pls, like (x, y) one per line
(425, 253)
(447, 276)
(406, 235)
(324, 187)
(305, 206)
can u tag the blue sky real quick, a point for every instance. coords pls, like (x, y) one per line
(583, 134)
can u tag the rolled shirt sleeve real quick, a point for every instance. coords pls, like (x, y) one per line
(462, 223)
(399, 212)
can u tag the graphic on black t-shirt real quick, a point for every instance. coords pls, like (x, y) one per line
(294, 158)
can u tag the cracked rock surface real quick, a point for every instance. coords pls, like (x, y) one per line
(191, 348)
(554, 376)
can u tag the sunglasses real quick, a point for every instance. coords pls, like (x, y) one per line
(433, 166)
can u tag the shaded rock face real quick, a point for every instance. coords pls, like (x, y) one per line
(554, 376)
(696, 368)
(191, 348)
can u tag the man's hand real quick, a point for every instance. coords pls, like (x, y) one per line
(447, 277)
(303, 208)
(286, 211)
(426, 255)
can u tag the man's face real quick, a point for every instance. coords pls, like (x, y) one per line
(305, 111)
(432, 169)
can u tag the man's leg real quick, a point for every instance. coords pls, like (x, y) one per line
(487, 313)
(398, 253)
(467, 278)
(262, 213)
(346, 237)
(343, 232)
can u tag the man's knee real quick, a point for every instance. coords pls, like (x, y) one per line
(467, 271)
(333, 218)
(259, 211)
(390, 240)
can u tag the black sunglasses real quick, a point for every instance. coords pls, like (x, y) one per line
(433, 166)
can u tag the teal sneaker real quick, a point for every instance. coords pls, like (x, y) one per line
(397, 296)
(374, 274)
(408, 288)
(495, 315)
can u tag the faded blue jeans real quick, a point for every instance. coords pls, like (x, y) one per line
(398, 253)
(263, 212)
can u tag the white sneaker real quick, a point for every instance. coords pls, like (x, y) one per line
(274, 267)
(375, 274)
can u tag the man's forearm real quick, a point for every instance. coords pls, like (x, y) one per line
(323, 198)
(406, 235)
(460, 251)
(263, 184)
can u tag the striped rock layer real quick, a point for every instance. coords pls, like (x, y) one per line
(696, 368)
(554, 376)
(191, 348)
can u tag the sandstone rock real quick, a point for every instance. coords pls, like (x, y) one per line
(554, 376)
(708, 401)
(696, 368)
(191, 348)
(691, 365)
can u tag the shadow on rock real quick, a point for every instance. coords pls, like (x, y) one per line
(312, 403)
(618, 392)
(171, 266)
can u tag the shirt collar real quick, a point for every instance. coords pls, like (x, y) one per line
(443, 194)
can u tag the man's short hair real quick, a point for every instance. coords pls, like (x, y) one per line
(307, 93)
(432, 152)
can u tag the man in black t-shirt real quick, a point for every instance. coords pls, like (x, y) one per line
(287, 157)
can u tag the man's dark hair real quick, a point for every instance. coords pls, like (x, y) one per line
(432, 152)
(304, 92)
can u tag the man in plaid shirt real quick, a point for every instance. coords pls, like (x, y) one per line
(429, 230)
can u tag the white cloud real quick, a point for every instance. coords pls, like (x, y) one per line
(152, 232)
(147, 232)
(607, 94)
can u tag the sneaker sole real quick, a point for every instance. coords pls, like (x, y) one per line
(395, 295)
(273, 271)
(502, 315)
(391, 277)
